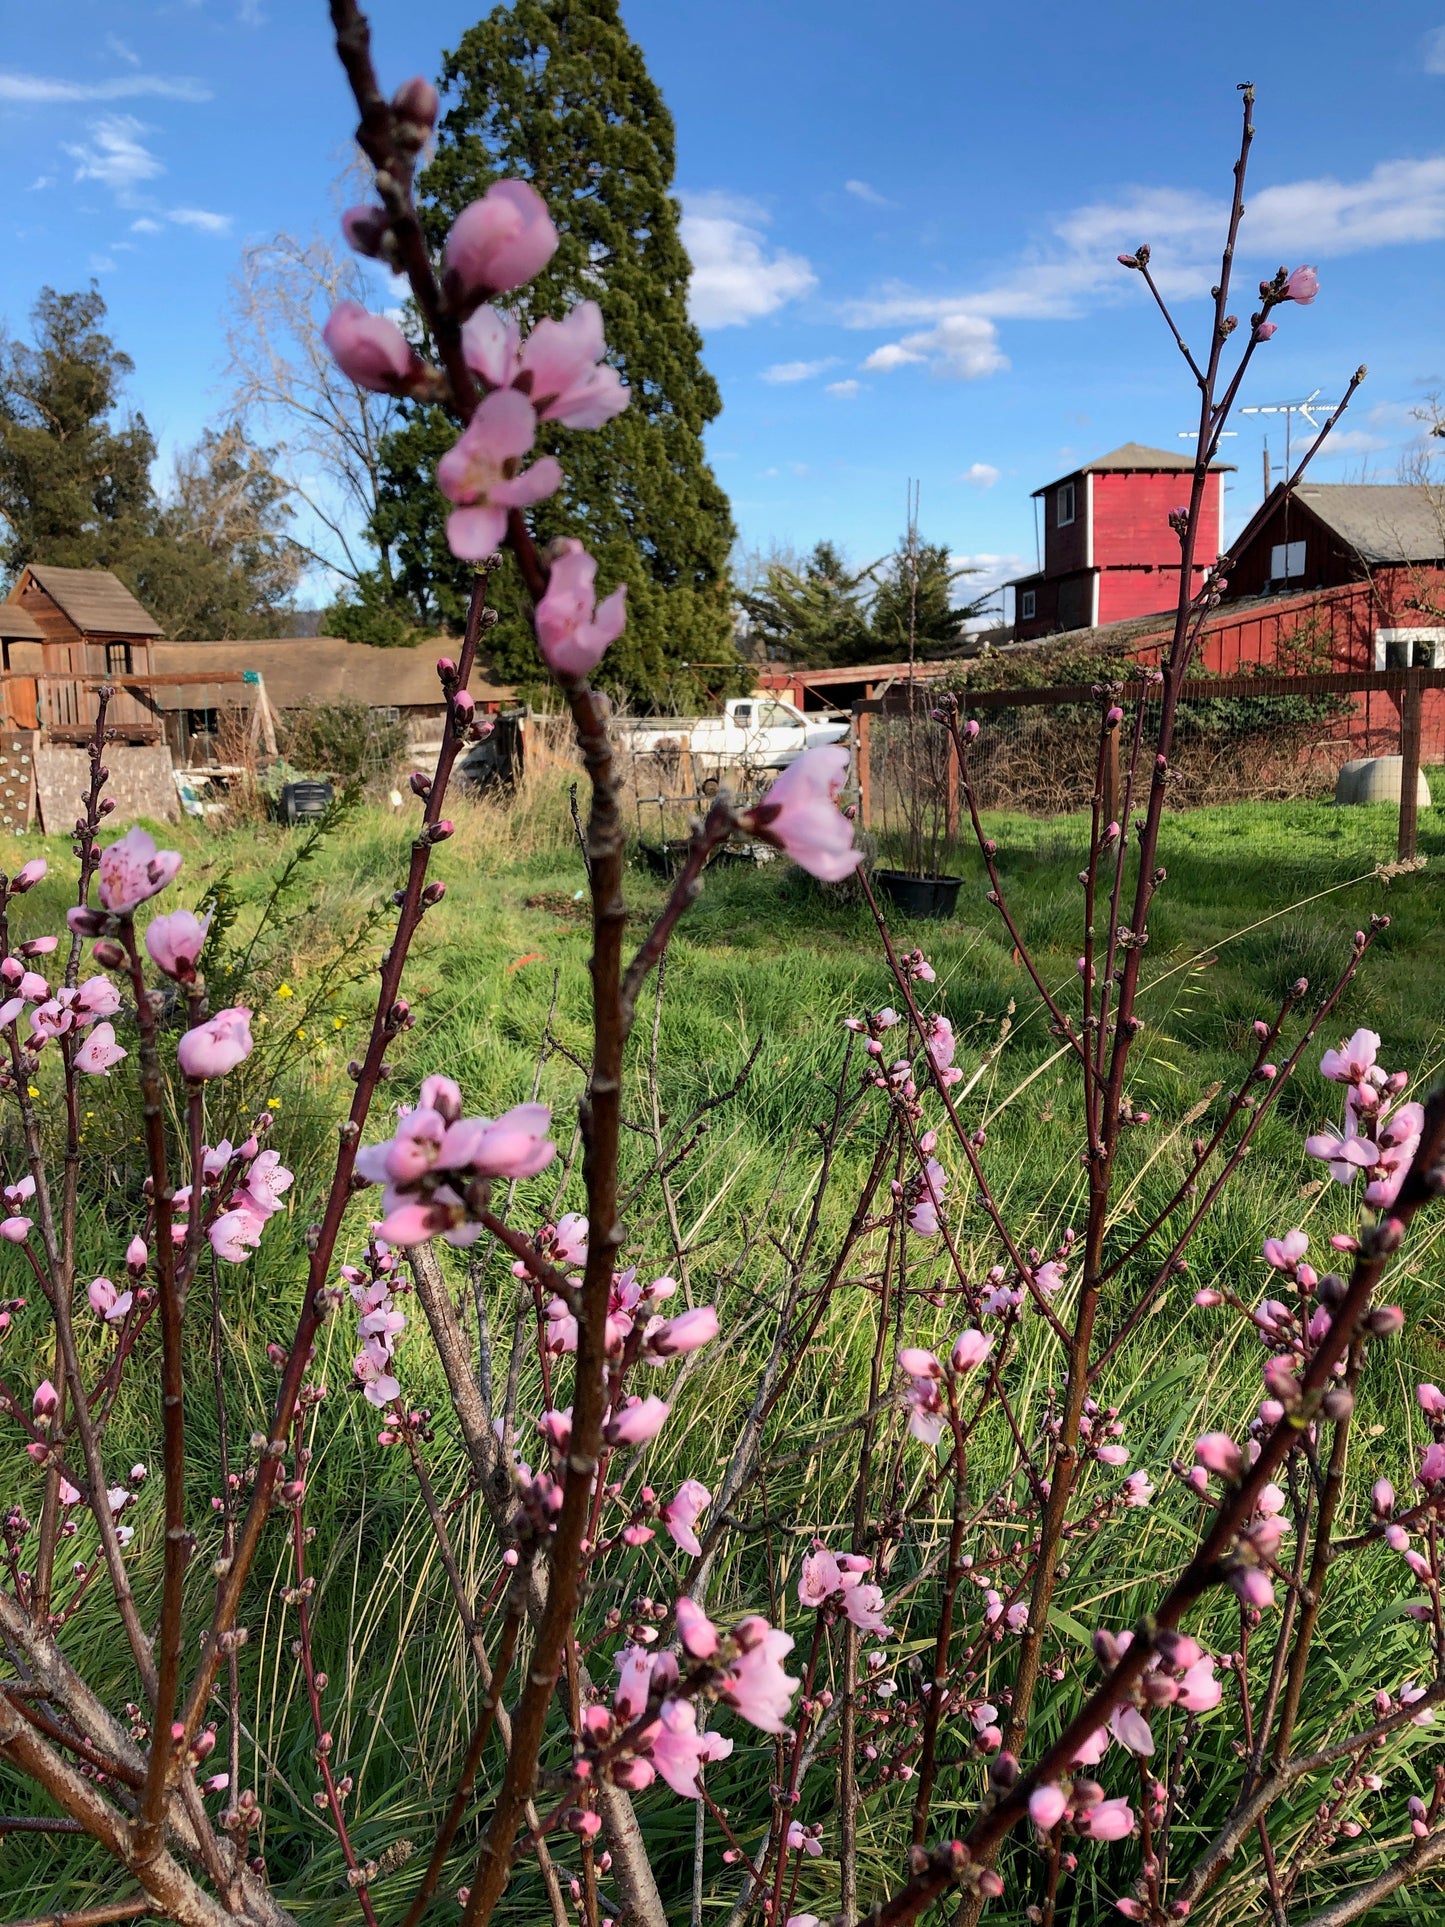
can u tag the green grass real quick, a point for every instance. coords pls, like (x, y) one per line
(1256, 897)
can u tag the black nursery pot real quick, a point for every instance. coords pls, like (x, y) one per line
(917, 896)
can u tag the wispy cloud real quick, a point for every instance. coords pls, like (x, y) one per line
(200, 218)
(145, 225)
(736, 278)
(39, 90)
(861, 191)
(783, 371)
(116, 156)
(1435, 51)
(40, 183)
(121, 51)
(845, 390)
(1399, 203)
(980, 475)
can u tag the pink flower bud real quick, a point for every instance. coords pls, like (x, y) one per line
(1218, 1453)
(1302, 286)
(501, 241)
(416, 101)
(370, 350)
(45, 1401)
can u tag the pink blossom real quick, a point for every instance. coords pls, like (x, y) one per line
(680, 1514)
(480, 473)
(33, 987)
(1284, 1253)
(1432, 1466)
(1109, 1820)
(134, 869)
(1432, 1400)
(50, 1019)
(266, 1183)
(637, 1422)
(569, 1239)
(1199, 1690)
(235, 1235)
(1131, 1729)
(757, 1687)
(800, 815)
(491, 343)
(925, 1418)
(370, 350)
(800, 1840)
(1302, 286)
(696, 1631)
(820, 1577)
(96, 997)
(501, 241)
(28, 875)
(1138, 1489)
(1047, 1806)
(688, 1332)
(678, 1749)
(15, 1230)
(863, 1606)
(1218, 1453)
(1253, 1587)
(373, 1373)
(1112, 1454)
(175, 943)
(918, 1363)
(108, 1303)
(971, 1349)
(1093, 1748)
(573, 631)
(218, 1045)
(99, 1052)
(43, 1404)
(1265, 330)
(1049, 1277)
(1353, 1061)
(562, 372)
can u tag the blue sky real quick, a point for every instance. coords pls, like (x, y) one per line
(903, 219)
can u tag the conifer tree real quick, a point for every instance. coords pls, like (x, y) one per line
(814, 615)
(926, 609)
(556, 91)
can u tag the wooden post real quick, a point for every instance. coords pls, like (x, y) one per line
(1411, 704)
(865, 773)
(1111, 776)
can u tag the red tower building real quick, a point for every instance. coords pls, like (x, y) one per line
(1109, 552)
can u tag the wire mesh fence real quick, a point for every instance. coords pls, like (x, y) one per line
(1253, 738)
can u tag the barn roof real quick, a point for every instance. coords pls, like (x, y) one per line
(18, 625)
(320, 669)
(1381, 521)
(1136, 458)
(97, 602)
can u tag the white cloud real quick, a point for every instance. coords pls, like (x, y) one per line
(118, 47)
(735, 278)
(987, 573)
(863, 192)
(200, 217)
(145, 225)
(798, 370)
(980, 475)
(37, 90)
(1435, 51)
(962, 346)
(40, 182)
(117, 157)
(101, 264)
(1397, 203)
(845, 390)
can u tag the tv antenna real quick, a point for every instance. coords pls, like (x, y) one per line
(1307, 409)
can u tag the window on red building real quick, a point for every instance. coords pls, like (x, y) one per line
(1028, 603)
(1066, 504)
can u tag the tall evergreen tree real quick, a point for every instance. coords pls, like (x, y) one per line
(923, 605)
(557, 92)
(75, 485)
(815, 615)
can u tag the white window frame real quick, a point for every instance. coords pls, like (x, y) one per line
(1290, 552)
(1028, 605)
(1435, 637)
(1066, 493)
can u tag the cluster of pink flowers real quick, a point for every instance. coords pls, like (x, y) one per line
(929, 1378)
(380, 1323)
(53, 1015)
(260, 1180)
(1376, 1138)
(832, 1585)
(438, 1165)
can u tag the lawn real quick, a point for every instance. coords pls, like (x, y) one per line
(768, 963)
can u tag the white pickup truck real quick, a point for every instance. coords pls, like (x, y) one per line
(756, 732)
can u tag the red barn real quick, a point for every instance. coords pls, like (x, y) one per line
(1109, 552)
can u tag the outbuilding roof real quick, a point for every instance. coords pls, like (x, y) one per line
(18, 625)
(97, 602)
(320, 669)
(1136, 458)
(1381, 521)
